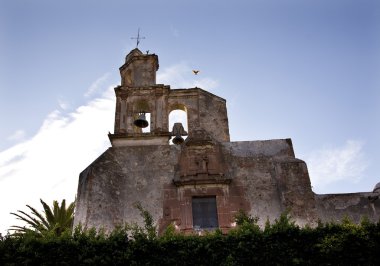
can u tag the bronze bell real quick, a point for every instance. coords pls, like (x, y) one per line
(178, 131)
(141, 121)
(178, 140)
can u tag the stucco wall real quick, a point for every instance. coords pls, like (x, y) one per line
(335, 207)
(266, 180)
(121, 176)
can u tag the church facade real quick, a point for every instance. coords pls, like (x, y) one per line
(201, 182)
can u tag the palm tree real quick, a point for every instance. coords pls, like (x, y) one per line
(56, 220)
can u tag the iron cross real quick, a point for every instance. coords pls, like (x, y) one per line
(138, 38)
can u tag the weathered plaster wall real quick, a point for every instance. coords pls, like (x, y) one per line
(121, 176)
(335, 207)
(274, 180)
(265, 177)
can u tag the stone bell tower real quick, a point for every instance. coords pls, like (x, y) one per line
(139, 96)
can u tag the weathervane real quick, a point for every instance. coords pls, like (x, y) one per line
(138, 38)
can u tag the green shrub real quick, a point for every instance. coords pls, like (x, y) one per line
(280, 243)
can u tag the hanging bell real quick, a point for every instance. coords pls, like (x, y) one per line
(178, 131)
(178, 140)
(141, 121)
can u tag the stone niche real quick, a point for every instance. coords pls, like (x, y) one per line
(201, 162)
(201, 173)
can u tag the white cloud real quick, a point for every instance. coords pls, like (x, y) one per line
(17, 136)
(97, 85)
(329, 165)
(47, 165)
(63, 104)
(181, 76)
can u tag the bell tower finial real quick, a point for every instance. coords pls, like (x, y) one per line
(138, 38)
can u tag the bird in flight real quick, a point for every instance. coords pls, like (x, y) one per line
(195, 72)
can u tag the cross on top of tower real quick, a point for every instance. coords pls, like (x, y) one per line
(138, 38)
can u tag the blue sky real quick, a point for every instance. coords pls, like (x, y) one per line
(308, 70)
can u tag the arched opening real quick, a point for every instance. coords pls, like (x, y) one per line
(178, 116)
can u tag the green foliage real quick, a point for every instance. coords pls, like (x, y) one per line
(54, 220)
(245, 224)
(242, 218)
(150, 228)
(170, 232)
(280, 243)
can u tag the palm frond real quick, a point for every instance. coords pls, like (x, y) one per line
(56, 219)
(48, 213)
(62, 212)
(35, 225)
(31, 221)
(39, 215)
(19, 230)
(56, 209)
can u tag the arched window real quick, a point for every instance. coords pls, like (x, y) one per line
(178, 115)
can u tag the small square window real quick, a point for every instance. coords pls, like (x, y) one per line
(205, 215)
